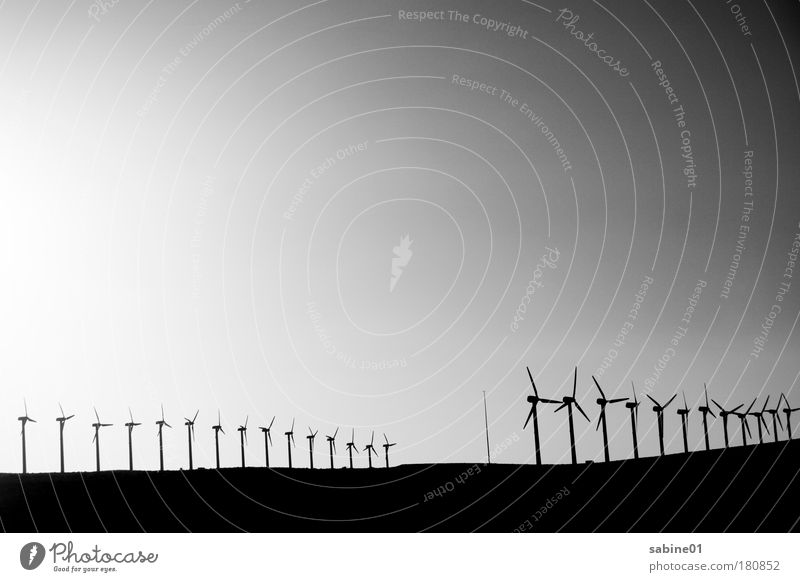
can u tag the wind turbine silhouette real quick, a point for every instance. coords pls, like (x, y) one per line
(243, 436)
(684, 413)
(332, 444)
(24, 420)
(659, 410)
(289, 442)
(161, 424)
(603, 401)
(534, 402)
(61, 420)
(371, 449)
(568, 402)
(311, 436)
(130, 426)
(352, 445)
(96, 440)
(190, 436)
(706, 410)
(723, 414)
(743, 418)
(267, 438)
(775, 412)
(633, 407)
(386, 447)
(760, 418)
(788, 412)
(217, 428)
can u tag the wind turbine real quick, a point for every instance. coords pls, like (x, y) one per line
(243, 436)
(534, 402)
(311, 436)
(24, 420)
(775, 412)
(130, 426)
(760, 418)
(371, 449)
(788, 412)
(568, 402)
(684, 413)
(96, 440)
(161, 424)
(352, 445)
(267, 438)
(386, 447)
(61, 420)
(190, 436)
(217, 428)
(332, 444)
(706, 410)
(723, 414)
(603, 401)
(289, 442)
(633, 407)
(743, 418)
(659, 410)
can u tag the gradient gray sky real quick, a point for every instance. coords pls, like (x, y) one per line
(201, 202)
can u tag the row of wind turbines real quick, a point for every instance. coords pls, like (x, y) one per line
(633, 406)
(217, 428)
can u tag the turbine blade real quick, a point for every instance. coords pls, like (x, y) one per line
(560, 407)
(615, 400)
(599, 419)
(737, 408)
(596, 383)
(97, 416)
(780, 424)
(384, 438)
(532, 382)
(271, 421)
(717, 403)
(670, 400)
(195, 415)
(578, 406)
(60, 408)
(653, 399)
(763, 408)
(527, 420)
(705, 390)
(575, 382)
(685, 405)
(269, 438)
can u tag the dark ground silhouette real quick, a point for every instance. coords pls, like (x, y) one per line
(742, 489)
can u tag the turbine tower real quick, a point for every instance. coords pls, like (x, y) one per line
(289, 442)
(96, 440)
(217, 428)
(776, 418)
(788, 412)
(130, 426)
(760, 420)
(24, 420)
(371, 449)
(386, 447)
(534, 402)
(684, 413)
(243, 436)
(743, 418)
(332, 444)
(267, 438)
(568, 402)
(61, 420)
(161, 424)
(659, 410)
(603, 401)
(352, 445)
(190, 436)
(633, 407)
(311, 436)
(724, 414)
(706, 410)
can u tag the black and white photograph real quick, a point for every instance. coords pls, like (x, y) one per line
(364, 270)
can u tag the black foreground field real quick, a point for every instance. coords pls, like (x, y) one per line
(742, 489)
